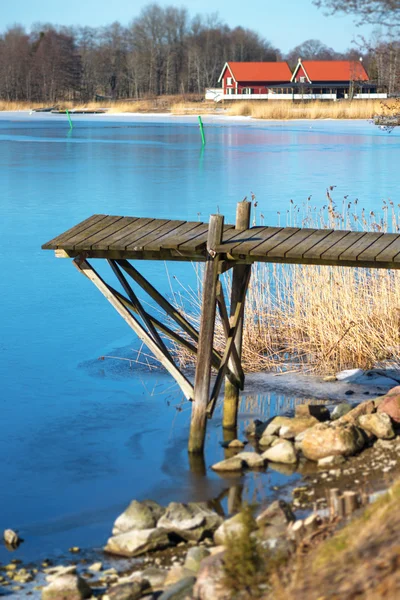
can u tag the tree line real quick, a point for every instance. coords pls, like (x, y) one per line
(162, 51)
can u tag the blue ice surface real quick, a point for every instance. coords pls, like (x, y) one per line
(80, 437)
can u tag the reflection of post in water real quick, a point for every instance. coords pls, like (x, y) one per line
(229, 435)
(235, 499)
(201, 159)
(197, 464)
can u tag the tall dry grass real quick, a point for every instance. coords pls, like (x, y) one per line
(285, 109)
(320, 319)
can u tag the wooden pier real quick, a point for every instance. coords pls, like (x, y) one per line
(221, 247)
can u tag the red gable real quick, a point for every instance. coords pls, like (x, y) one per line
(334, 70)
(259, 71)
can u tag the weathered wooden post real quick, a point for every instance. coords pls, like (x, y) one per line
(206, 338)
(231, 397)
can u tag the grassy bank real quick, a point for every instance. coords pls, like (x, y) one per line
(195, 104)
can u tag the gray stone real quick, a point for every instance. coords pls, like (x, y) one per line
(55, 572)
(331, 461)
(138, 515)
(252, 459)
(340, 410)
(155, 576)
(209, 584)
(379, 424)
(229, 464)
(236, 444)
(327, 440)
(127, 591)
(283, 452)
(231, 527)
(176, 573)
(267, 440)
(137, 542)
(11, 538)
(192, 521)
(180, 590)
(194, 557)
(278, 513)
(67, 587)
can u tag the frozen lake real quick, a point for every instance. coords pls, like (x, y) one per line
(79, 437)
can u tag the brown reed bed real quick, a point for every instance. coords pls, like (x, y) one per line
(311, 318)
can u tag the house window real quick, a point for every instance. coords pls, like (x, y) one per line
(230, 91)
(247, 91)
(302, 79)
(229, 81)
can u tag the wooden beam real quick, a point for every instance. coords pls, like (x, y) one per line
(86, 269)
(206, 338)
(237, 321)
(239, 275)
(223, 312)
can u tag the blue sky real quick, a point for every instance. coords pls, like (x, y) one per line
(284, 23)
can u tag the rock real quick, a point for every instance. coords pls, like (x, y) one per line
(379, 424)
(138, 515)
(11, 538)
(192, 521)
(74, 550)
(127, 591)
(340, 410)
(96, 567)
(331, 461)
(67, 587)
(318, 411)
(390, 405)
(209, 585)
(255, 429)
(296, 426)
(283, 452)
(349, 374)
(176, 573)
(236, 444)
(231, 527)
(136, 542)
(278, 513)
(267, 440)
(364, 408)
(156, 577)
(55, 572)
(252, 459)
(180, 590)
(327, 440)
(229, 464)
(194, 557)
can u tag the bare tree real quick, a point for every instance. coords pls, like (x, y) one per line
(380, 12)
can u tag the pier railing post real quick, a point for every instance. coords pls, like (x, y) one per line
(206, 338)
(231, 396)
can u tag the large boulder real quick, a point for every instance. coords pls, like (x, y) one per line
(180, 590)
(194, 557)
(390, 405)
(282, 451)
(67, 587)
(192, 521)
(127, 591)
(364, 408)
(328, 440)
(137, 542)
(251, 459)
(379, 424)
(209, 583)
(231, 527)
(296, 426)
(138, 515)
(229, 464)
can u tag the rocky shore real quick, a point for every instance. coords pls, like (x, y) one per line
(187, 550)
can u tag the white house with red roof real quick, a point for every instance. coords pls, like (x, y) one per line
(311, 80)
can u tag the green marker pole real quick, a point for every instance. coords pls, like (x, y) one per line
(203, 138)
(69, 119)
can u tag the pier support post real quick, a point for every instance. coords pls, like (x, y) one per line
(231, 396)
(206, 338)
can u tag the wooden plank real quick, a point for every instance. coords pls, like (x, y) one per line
(381, 252)
(271, 243)
(180, 228)
(84, 267)
(305, 246)
(182, 234)
(335, 252)
(113, 241)
(229, 241)
(291, 243)
(132, 237)
(201, 240)
(77, 241)
(362, 245)
(150, 236)
(244, 248)
(316, 251)
(102, 236)
(57, 242)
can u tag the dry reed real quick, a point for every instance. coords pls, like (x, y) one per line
(319, 319)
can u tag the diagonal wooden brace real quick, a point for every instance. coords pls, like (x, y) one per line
(236, 363)
(86, 269)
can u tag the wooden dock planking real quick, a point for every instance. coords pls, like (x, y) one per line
(149, 234)
(201, 240)
(305, 246)
(234, 239)
(103, 234)
(360, 246)
(245, 247)
(342, 245)
(291, 243)
(274, 241)
(117, 241)
(317, 250)
(382, 244)
(171, 239)
(77, 241)
(60, 239)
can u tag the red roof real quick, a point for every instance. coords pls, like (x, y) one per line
(260, 71)
(335, 70)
